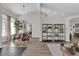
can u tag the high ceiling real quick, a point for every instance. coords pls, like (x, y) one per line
(18, 9)
(66, 9)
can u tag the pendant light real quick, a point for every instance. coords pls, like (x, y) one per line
(23, 6)
(23, 18)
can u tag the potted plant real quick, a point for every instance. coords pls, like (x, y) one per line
(18, 26)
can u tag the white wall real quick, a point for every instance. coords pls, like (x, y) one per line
(34, 19)
(54, 20)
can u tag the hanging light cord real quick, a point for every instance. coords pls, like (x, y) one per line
(23, 11)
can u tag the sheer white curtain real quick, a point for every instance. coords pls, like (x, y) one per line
(12, 26)
(0, 31)
(4, 25)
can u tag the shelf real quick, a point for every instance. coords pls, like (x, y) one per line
(53, 32)
(47, 40)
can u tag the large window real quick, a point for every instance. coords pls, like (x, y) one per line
(12, 26)
(4, 25)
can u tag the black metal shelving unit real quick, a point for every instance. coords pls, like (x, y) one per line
(59, 32)
(53, 32)
(47, 32)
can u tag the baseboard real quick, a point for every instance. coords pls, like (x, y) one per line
(35, 37)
